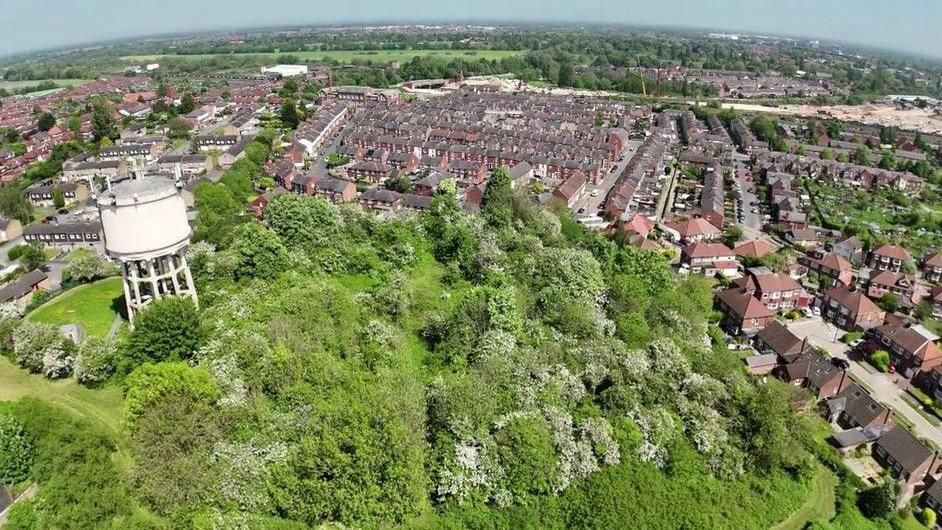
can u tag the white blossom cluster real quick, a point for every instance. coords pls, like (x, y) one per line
(95, 361)
(229, 377)
(399, 254)
(551, 381)
(10, 310)
(496, 344)
(704, 425)
(31, 344)
(57, 362)
(667, 359)
(658, 429)
(489, 257)
(244, 471)
(703, 389)
(578, 445)
(475, 468)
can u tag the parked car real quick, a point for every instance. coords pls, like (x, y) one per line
(807, 312)
(816, 311)
(854, 343)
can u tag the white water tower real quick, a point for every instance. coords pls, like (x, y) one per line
(145, 226)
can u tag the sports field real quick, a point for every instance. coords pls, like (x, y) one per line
(348, 56)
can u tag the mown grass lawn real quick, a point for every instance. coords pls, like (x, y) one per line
(91, 306)
(348, 56)
(819, 505)
(102, 406)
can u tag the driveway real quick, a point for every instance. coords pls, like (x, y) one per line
(881, 386)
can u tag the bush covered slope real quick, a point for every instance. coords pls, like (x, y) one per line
(507, 370)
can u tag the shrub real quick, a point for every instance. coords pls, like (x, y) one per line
(151, 382)
(16, 450)
(32, 341)
(852, 336)
(15, 252)
(878, 501)
(880, 360)
(22, 516)
(80, 487)
(168, 329)
(84, 266)
(95, 361)
(927, 517)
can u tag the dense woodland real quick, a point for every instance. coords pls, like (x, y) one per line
(446, 370)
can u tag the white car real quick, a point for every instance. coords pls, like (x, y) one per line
(595, 193)
(816, 311)
(854, 343)
(807, 312)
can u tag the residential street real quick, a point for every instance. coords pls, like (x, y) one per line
(590, 202)
(824, 335)
(750, 220)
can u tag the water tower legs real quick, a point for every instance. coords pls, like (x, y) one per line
(154, 278)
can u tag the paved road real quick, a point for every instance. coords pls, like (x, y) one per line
(750, 219)
(666, 201)
(881, 386)
(589, 202)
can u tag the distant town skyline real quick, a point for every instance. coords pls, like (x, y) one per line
(910, 26)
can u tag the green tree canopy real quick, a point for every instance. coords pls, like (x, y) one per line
(167, 329)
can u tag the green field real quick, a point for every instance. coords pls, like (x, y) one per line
(103, 406)
(348, 56)
(91, 306)
(14, 85)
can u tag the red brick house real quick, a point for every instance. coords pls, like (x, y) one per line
(571, 189)
(261, 202)
(889, 257)
(815, 373)
(709, 258)
(335, 190)
(932, 267)
(369, 171)
(850, 309)
(912, 349)
(906, 458)
(833, 270)
(885, 281)
(779, 292)
(695, 229)
(742, 313)
(854, 407)
(757, 248)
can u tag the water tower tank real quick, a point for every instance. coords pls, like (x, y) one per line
(146, 229)
(143, 218)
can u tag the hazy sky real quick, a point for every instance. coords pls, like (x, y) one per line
(910, 25)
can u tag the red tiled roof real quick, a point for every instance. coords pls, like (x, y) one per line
(743, 305)
(855, 300)
(707, 250)
(934, 260)
(771, 283)
(694, 227)
(836, 262)
(893, 252)
(756, 248)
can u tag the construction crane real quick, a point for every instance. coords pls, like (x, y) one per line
(644, 92)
